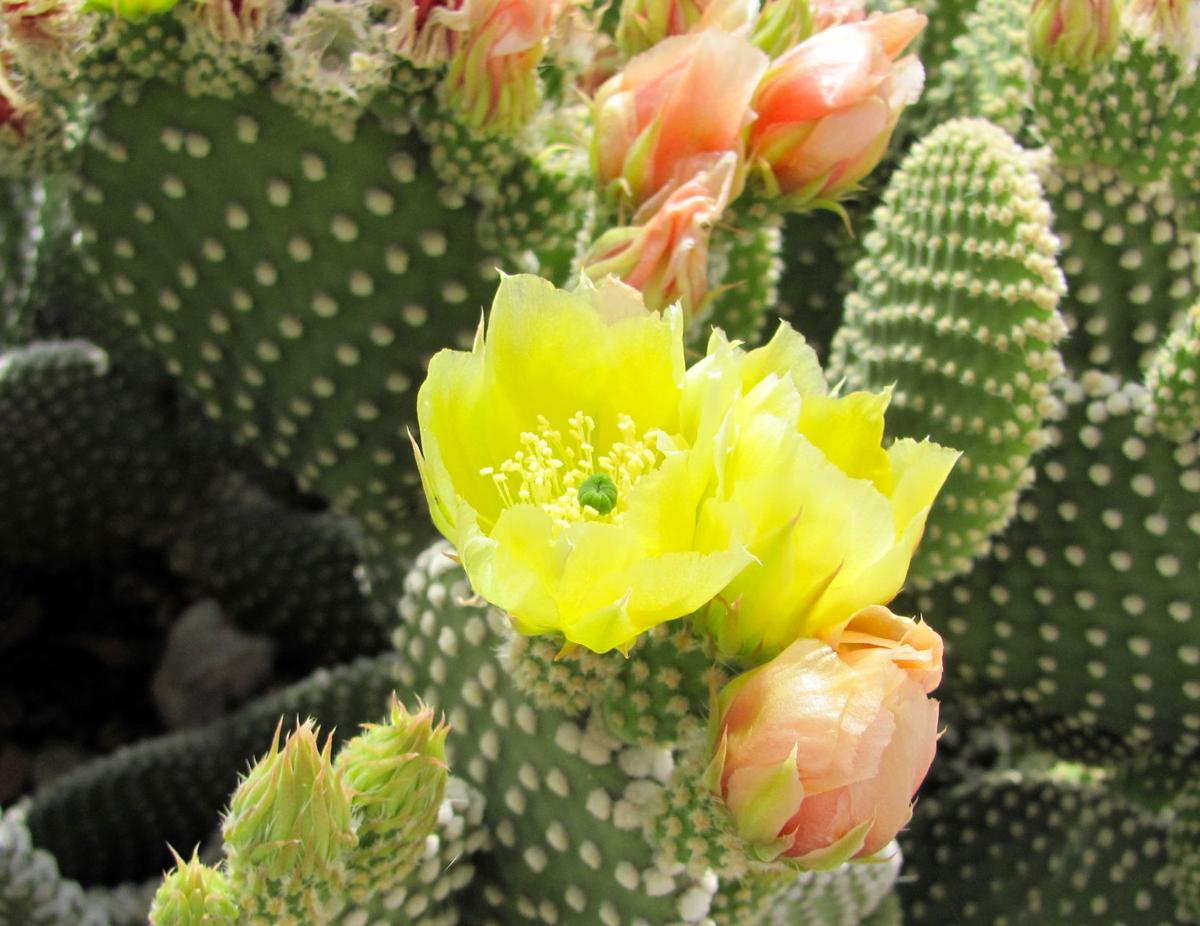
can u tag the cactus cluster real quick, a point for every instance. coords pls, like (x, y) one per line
(233, 234)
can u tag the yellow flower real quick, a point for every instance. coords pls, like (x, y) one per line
(554, 459)
(831, 517)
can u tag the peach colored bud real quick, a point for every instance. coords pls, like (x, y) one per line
(241, 22)
(1077, 33)
(829, 13)
(664, 253)
(827, 108)
(784, 24)
(48, 25)
(16, 111)
(686, 96)
(645, 23)
(492, 79)
(820, 751)
(425, 32)
(1174, 23)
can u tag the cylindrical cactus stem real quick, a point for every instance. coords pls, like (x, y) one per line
(956, 304)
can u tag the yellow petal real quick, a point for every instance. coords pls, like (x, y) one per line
(849, 430)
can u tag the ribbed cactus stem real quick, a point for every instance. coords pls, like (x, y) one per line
(956, 304)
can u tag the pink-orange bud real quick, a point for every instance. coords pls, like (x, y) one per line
(1077, 33)
(827, 108)
(689, 95)
(664, 253)
(819, 752)
(492, 79)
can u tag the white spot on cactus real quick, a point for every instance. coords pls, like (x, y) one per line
(172, 139)
(197, 145)
(395, 259)
(344, 228)
(312, 167)
(433, 243)
(379, 202)
(236, 217)
(402, 167)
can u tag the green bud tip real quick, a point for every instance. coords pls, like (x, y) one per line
(193, 894)
(291, 814)
(599, 493)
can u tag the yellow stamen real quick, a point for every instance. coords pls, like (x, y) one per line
(549, 468)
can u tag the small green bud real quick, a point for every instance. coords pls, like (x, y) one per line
(397, 768)
(290, 817)
(599, 493)
(130, 9)
(193, 894)
(782, 25)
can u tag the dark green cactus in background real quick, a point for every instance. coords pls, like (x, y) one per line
(231, 239)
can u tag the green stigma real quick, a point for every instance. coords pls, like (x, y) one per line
(599, 493)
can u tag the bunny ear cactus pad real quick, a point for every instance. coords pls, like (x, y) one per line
(956, 304)
(1124, 256)
(91, 456)
(1048, 847)
(32, 892)
(988, 74)
(294, 283)
(1081, 625)
(1174, 379)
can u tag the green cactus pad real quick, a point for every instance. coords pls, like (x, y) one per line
(32, 892)
(955, 304)
(1183, 851)
(297, 290)
(988, 74)
(539, 213)
(1045, 847)
(1128, 267)
(746, 257)
(1174, 379)
(90, 456)
(1083, 619)
(285, 572)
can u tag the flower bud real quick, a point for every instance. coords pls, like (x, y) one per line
(645, 23)
(241, 23)
(827, 108)
(130, 9)
(820, 751)
(1168, 22)
(425, 32)
(665, 252)
(1077, 33)
(784, 24)
(397, 771)
(686, 96)
(290, 817)
(193, 894)
(493, 74)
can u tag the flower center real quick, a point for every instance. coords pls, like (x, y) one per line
(563, 476)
